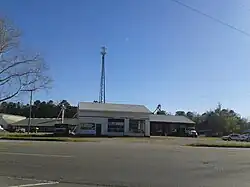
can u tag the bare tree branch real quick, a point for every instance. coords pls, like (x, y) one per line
(18, 63)
(15, 75)
(12, 94)
(3, 82)
(18, 71)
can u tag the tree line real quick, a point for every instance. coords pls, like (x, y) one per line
(215, 122)
(40, 109)
(220, 120)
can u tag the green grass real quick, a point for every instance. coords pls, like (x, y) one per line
(223, 145)
(209, 138)
(25, 135)
(45, 137)
(57, 139)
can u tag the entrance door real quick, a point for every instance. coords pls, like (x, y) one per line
(98, 129)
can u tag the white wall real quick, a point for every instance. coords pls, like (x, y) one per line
(102, 118)
(147, 128)
(113, 115)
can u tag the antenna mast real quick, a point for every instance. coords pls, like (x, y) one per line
(102, 84)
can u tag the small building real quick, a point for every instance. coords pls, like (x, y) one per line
(43, 124)
(162, 125)
(108, 119)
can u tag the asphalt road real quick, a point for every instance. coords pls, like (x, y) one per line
(119, 164)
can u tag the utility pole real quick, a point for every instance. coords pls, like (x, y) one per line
(102, 98)
(63, 110)
(31, 94)
(30, 107)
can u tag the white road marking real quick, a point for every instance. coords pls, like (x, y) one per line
(36, 184)
(34, 154)
(28, 179)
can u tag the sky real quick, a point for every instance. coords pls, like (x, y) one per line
(158, 52)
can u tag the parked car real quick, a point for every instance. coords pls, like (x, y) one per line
(192, 133)
(245, 137)
(1, 129)
(235, 137)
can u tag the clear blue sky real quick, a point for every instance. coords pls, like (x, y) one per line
(158, 51)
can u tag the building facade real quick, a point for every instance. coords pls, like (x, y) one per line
(167, 125)
(107, 119)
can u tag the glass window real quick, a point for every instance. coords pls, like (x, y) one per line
(115, 125)
(136, 126)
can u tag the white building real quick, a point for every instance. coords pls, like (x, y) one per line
(113, 119)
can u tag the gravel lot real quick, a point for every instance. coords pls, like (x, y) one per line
(122, 163)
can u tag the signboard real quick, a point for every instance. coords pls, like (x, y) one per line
(88, 129)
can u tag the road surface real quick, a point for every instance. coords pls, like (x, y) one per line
(120, 164)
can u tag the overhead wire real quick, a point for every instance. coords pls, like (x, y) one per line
(211, 17)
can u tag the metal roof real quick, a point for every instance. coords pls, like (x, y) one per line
(170, 119)
(46, 121)
(9, 118)
(111, 107)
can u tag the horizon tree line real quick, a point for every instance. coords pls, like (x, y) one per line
(220, 119)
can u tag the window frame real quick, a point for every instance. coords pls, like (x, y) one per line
(138, 124)
(116, 125)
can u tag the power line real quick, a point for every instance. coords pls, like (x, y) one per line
(211, 17)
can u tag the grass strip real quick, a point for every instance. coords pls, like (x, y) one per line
(44, 138)
(222, 145)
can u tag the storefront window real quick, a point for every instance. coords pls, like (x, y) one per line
(136, 126)
(115, 125)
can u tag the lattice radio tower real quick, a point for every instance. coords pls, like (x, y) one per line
(102, 84)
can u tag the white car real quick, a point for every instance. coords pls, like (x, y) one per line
(192, 133)
(236, 137)
(1, 129)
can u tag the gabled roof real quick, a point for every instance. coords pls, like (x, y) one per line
(170, 119)
(9, 118)
(46, 121)
(111, 107)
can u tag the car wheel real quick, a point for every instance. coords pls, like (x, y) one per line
(229, 139)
